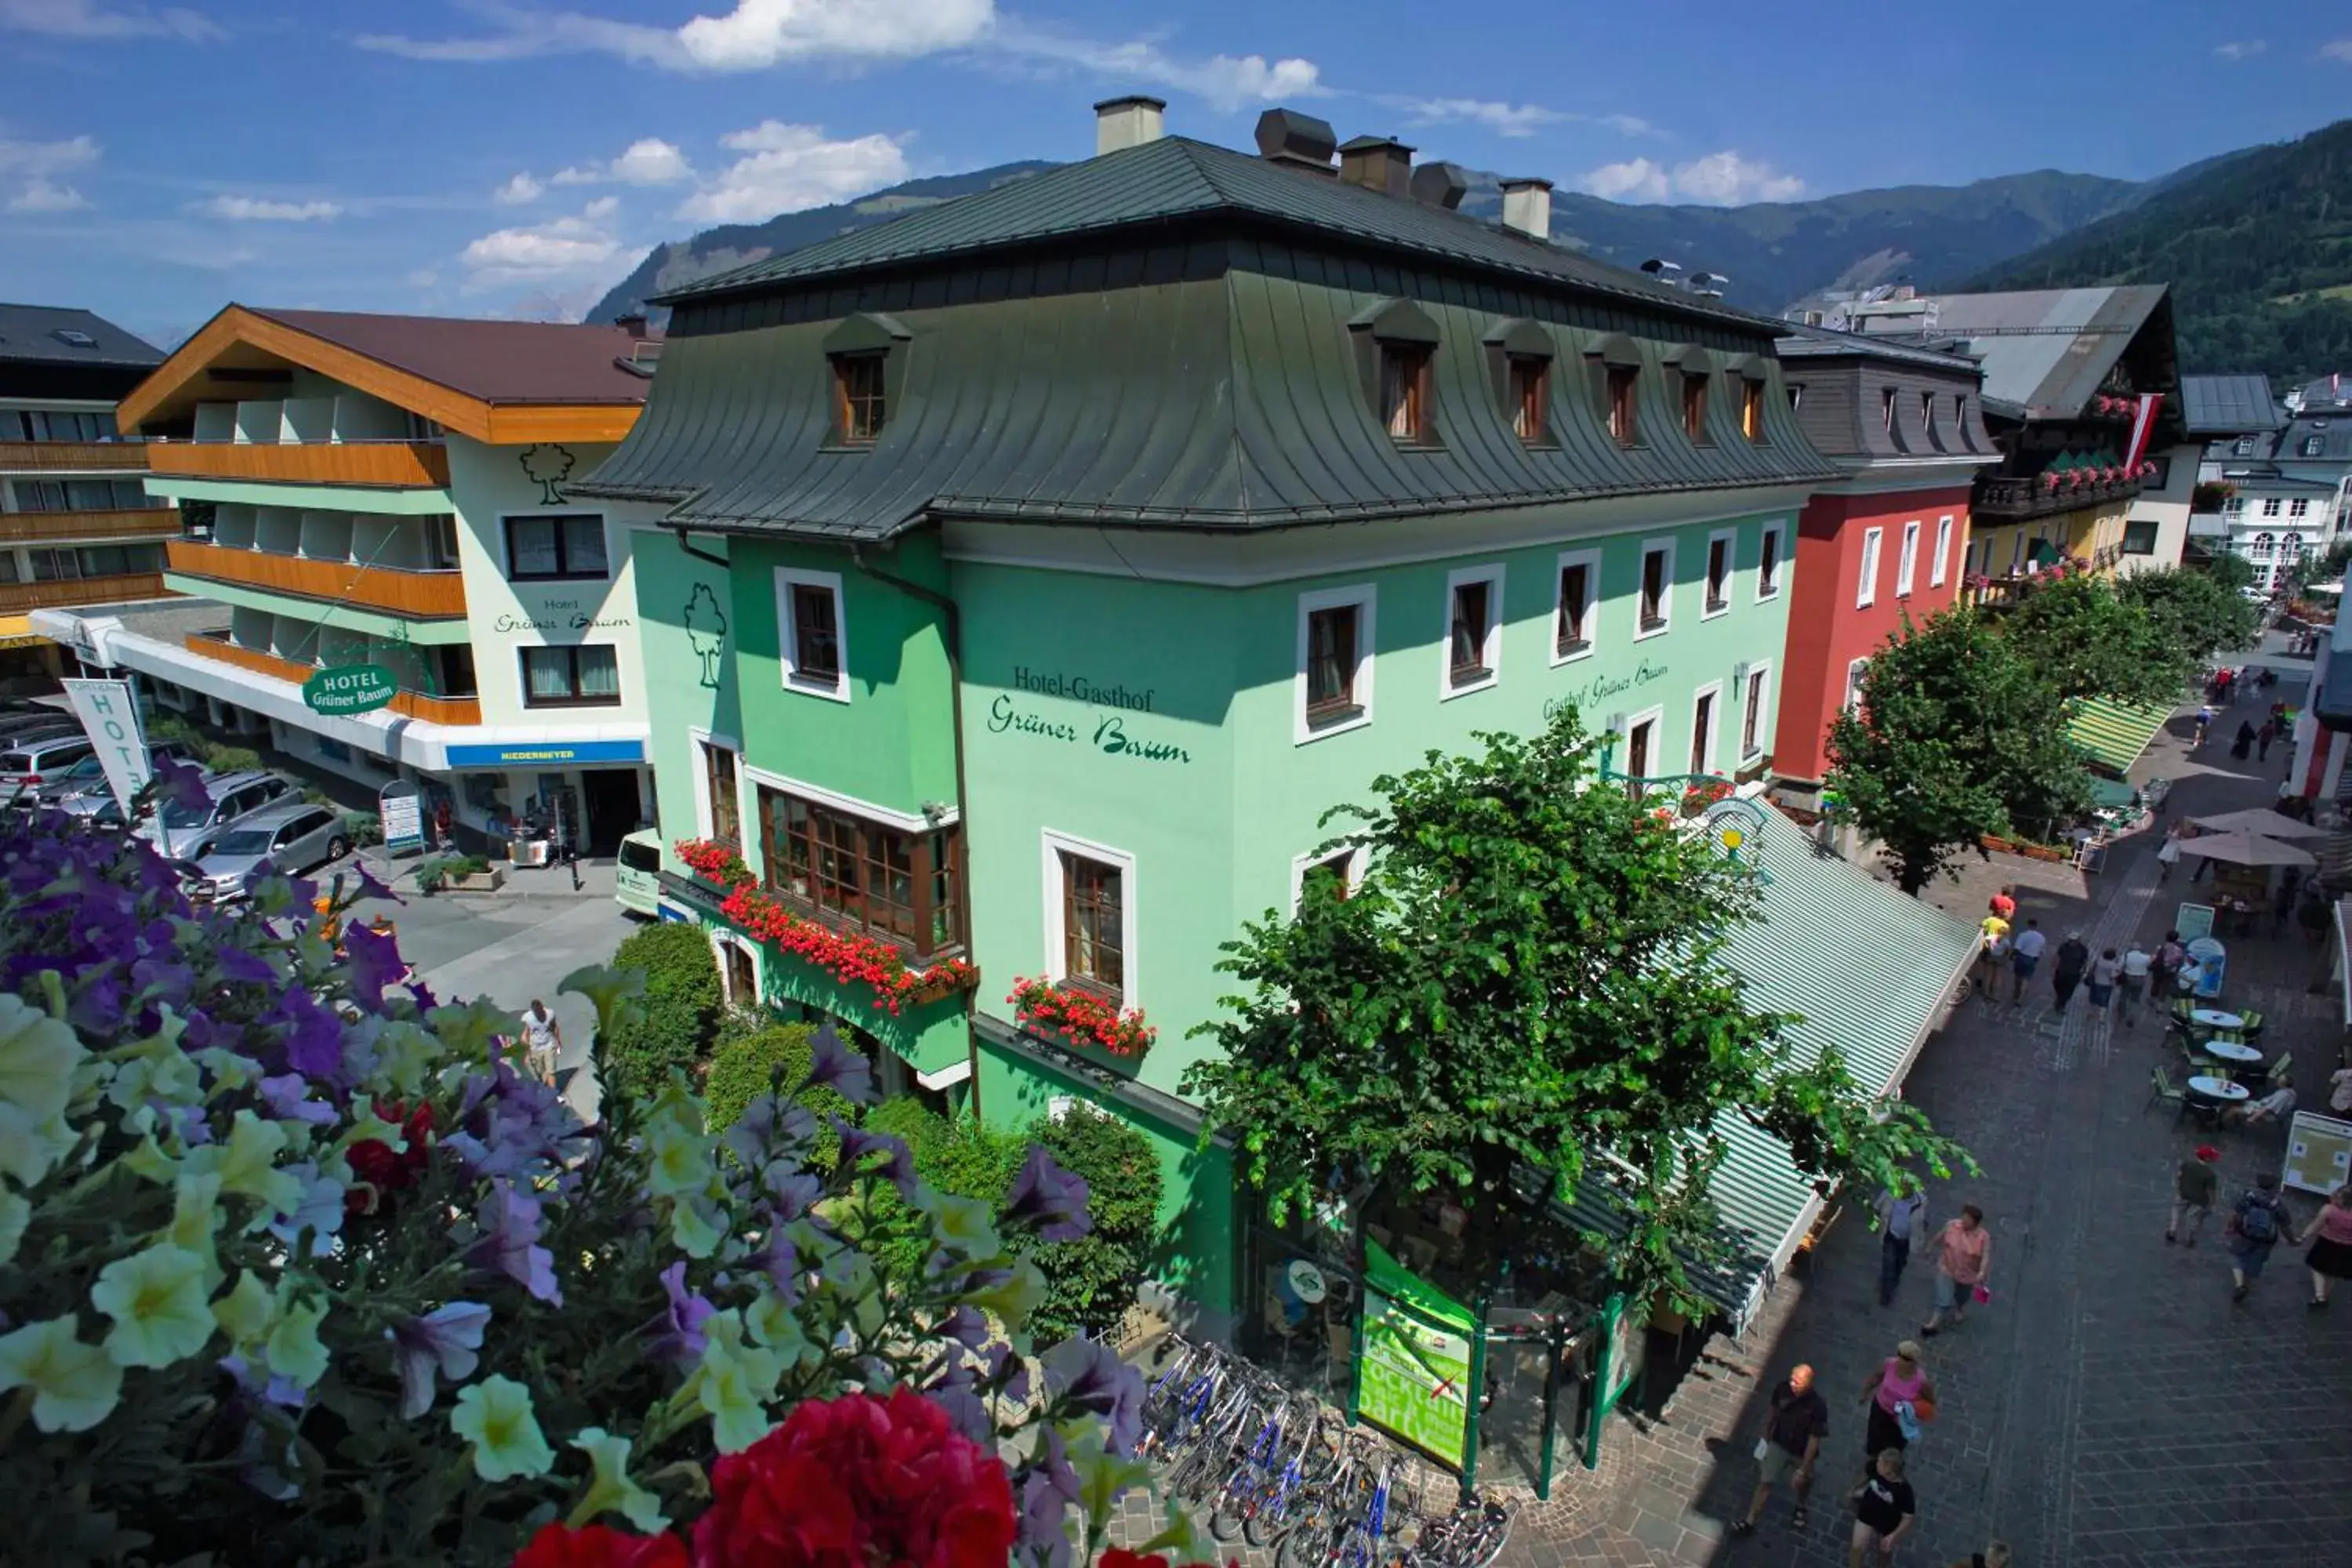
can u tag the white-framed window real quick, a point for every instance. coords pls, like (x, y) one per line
(2017, 554)
(1653, 590)
(1936, 570)
(1472, 652)
(812, 638)
(1576, 604)
(2264, 546)
(2235, 505)
(1639, 756)
(739, 968)
(1333, 686)
(1906, 563)
(1706, 721)
(2300, 508)
(1853, 674)
(1772, 560)
(718, 786)
(1866, 592)
(2270, 506)
(1090, 903)
(1346, 864)
(1755, 698)
(1720, 570)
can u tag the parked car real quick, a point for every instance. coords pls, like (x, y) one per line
(287, 837)
(182, 832)
(28, 764)
(84, 785)
(637, 880)
(48, 722)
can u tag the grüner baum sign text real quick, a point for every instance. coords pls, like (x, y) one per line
(350, 689)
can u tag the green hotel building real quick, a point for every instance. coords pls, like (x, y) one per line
(1021, 580)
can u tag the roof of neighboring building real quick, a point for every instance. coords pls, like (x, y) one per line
(2326, 391)
(32, 333)
(2228, 404)
(490, 361)
(2113, 733)
(2048, 349)
(1176, 177)
(1820, 342)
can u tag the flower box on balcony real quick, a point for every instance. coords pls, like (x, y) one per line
(714, 861)
(1080, 1018)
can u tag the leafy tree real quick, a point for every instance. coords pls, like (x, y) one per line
(1528, 980)
(681, 1008)
(2086, 639)
(1954, 738)
(2196, 613)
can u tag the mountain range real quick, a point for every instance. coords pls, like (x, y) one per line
(2258, 243)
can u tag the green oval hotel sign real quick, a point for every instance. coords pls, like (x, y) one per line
(350, 689)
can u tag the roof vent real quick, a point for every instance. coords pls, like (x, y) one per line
(1129, 121)
(1379, 164)
(72, 338)
(1441, 186)
(1298, 141)
(632, 323)
(1526, 206)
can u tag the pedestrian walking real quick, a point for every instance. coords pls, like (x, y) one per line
(2340, 1091)
(2170, 957)
(2193, 1185)
(2262, 739)
(2099, 981)
(1992, 951)
(2204, 724)
(2252, 1231)
(2329, 1234)
(2244, 742)
(2167, 854)
(1902, 1226)
(543, 1040)
(1884, 1509)
(1963, 1259)
(2004, 903)
(2131, 983)
(1893, 1395)
(1794, 1425)
(2024, 954)
(2073, 960)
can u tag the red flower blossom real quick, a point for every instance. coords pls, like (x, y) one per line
(1120, 1557)
(1041, 1003)
(378, 1170)
(599, 1546)
(856, 1482)
(845, 955)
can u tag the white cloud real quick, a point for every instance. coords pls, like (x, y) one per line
(1227, 81)
(2341, 49)
(790, 168)
(1627, 124)
(516, 192)
(2240, 50)
(255, 209)
(39, 196)
(755, 35)
(1719, 179)
(602, 206)
(563, 244)
(424, 278)
(85, 19)
(1502, 119)
(648, 162)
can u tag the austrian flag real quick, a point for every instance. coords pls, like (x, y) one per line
(2143, 427)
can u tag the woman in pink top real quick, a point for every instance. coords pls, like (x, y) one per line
(1900, 1379)
(2330, 1258)
(1963, 1259)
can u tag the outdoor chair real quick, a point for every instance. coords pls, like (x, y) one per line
(2280, 1068)
(2166, 1091)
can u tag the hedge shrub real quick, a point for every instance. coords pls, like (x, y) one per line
(961, 1157)
(1092, 1281)
(682, 1003)
(756, 1053)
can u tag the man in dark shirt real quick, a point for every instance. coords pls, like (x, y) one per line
(1794, 1426)
(1884, 1511)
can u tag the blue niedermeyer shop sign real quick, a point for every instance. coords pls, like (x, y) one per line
(555, 756)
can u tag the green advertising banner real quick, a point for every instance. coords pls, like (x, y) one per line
(1413, 1379)
(350, 689)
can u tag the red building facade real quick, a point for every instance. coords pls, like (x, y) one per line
(1889, 539)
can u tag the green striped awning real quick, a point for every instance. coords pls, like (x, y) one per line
(1868, 969)
(2113, 734)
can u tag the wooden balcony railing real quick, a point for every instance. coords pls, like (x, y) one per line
(381, 465)
(415, 705)
(2011, 498)
(420, 596)
(73, 457)
(67, 592)
(41, 527)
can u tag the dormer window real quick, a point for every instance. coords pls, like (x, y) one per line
(860, 403)
(1519, 354)
(1615, 367)
(1405, 392)
(1694, 408)
(1751, 410)
(1886, 410)
(1396, 355)
(1530, 388)
(1624, 380)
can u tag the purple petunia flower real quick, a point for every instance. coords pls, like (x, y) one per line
(836, 1066)
(509, 1222)
(1007, 1372)
(968, 1326)
(795, 1192)
(678, 1332)
(1048, 1492)
(237, 964)
(374, 962)
(287, 1096)
(320, 1211)
(1047, 1199)
(182, 784)
(443, 1340)
(1087, 1375)
(857, 1143)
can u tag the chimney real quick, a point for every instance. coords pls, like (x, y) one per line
(1377, 164)
(1296, 141)
(634, 323)
(1129, 121)
(1440, 185)
(1526, 206)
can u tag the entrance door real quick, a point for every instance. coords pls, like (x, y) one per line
(611, 806)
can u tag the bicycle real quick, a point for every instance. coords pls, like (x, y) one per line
(1472, 1536)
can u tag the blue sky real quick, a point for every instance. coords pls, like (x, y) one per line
(509, 157)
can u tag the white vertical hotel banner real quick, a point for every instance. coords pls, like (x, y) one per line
(109, 715)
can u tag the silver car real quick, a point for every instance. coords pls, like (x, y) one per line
(27, 764)
(185, 830)
(83, 789)
(287, 839)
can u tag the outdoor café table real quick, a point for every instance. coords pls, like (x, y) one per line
(2217, 1088)
(2214, 1018)
(2229, 1051)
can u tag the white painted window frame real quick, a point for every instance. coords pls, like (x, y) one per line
(1302, 864)
(788, 632)
(720, 940)
(1778, 583)
(1874, 546)
(1937, 573)
(1490, 645)
(1666, 588)
(1851, 696)
(1055, 844)
(1906, 562)
(705, 818)
(1365, 596)
(1588, 628)
(1656, 714)
(1748, 753)
(1730, 539)
(1706, 746)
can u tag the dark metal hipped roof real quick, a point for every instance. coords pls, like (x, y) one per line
(2228, 404)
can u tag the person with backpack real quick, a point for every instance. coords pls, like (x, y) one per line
(2253, 1229)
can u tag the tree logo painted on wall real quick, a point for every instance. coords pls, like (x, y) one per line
(706, 629)
(547, 467)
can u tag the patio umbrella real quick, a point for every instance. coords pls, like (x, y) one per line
(2269, 823)
(2245, 849)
